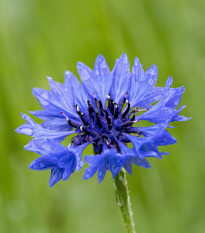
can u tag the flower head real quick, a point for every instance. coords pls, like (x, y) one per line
(103, 110)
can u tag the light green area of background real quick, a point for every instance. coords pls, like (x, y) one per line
(41, 37)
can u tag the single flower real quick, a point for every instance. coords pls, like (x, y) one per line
(103, 110)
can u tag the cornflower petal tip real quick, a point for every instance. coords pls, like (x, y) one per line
(49, 78)
(31, 166)
(153, 70)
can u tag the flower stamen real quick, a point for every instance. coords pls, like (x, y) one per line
(69, 121)
(127, 110)
(116, 111)
(124, 99)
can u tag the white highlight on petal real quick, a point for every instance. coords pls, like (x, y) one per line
(43, 98)
(81, 163)
(27, 131)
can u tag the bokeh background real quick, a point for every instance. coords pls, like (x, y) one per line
(41, 37)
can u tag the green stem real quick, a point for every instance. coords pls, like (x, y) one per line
(123, 200)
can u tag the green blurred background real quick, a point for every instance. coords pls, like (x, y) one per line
(41, 37)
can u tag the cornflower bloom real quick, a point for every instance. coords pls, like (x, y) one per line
(104, 111)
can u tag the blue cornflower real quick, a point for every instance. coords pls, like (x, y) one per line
(103, 110)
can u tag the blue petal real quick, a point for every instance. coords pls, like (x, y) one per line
(124, 149)
(128, 166)
(28, 128)
(181, 118)
(152, 130)
(80, 95)
(84, 71)
(137, 71)
(66, 159)
(176, 116)
(77, 150)
(117, 162)
(56, 175)
(136, 141)
(69, 169)
(109, 159)
(151, 75)
(97, 82)
(164, 139)
(64, 155)
(169, 82)
(164, 110)
(46, 147)
(153, 96)
(42, 163)
(59, 99)
(90, 171)
(43, 96)
(121, 79)
(57, 124)
(101, 173)
(175, 97)
(140, 162)
(142, 86)
(148, 146)
(158, 113)
(52, 122)
(55, 87)
(133, 156)
(35, 130)
(102, 76)
(71, 81)
(144, 147)
(149, 149)
(164, 153)
(60, 159)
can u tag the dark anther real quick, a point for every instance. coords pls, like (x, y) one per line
(112, 107)
(126, 111)
(124, 99)
(129, 123)
(98, 120)
(85, 130)
(109, 126)
(108, 118)
(104, 137)
(110, 104)
(90, 108)
(101, 108)
(97, 104)
(134, 111)
(71, 123)
(92, 117)
(81, 115)
(83, 119)
(133, 118)
(109, 96)
(100, 104)
(117, 146)
(116, 111)
(77, 109)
